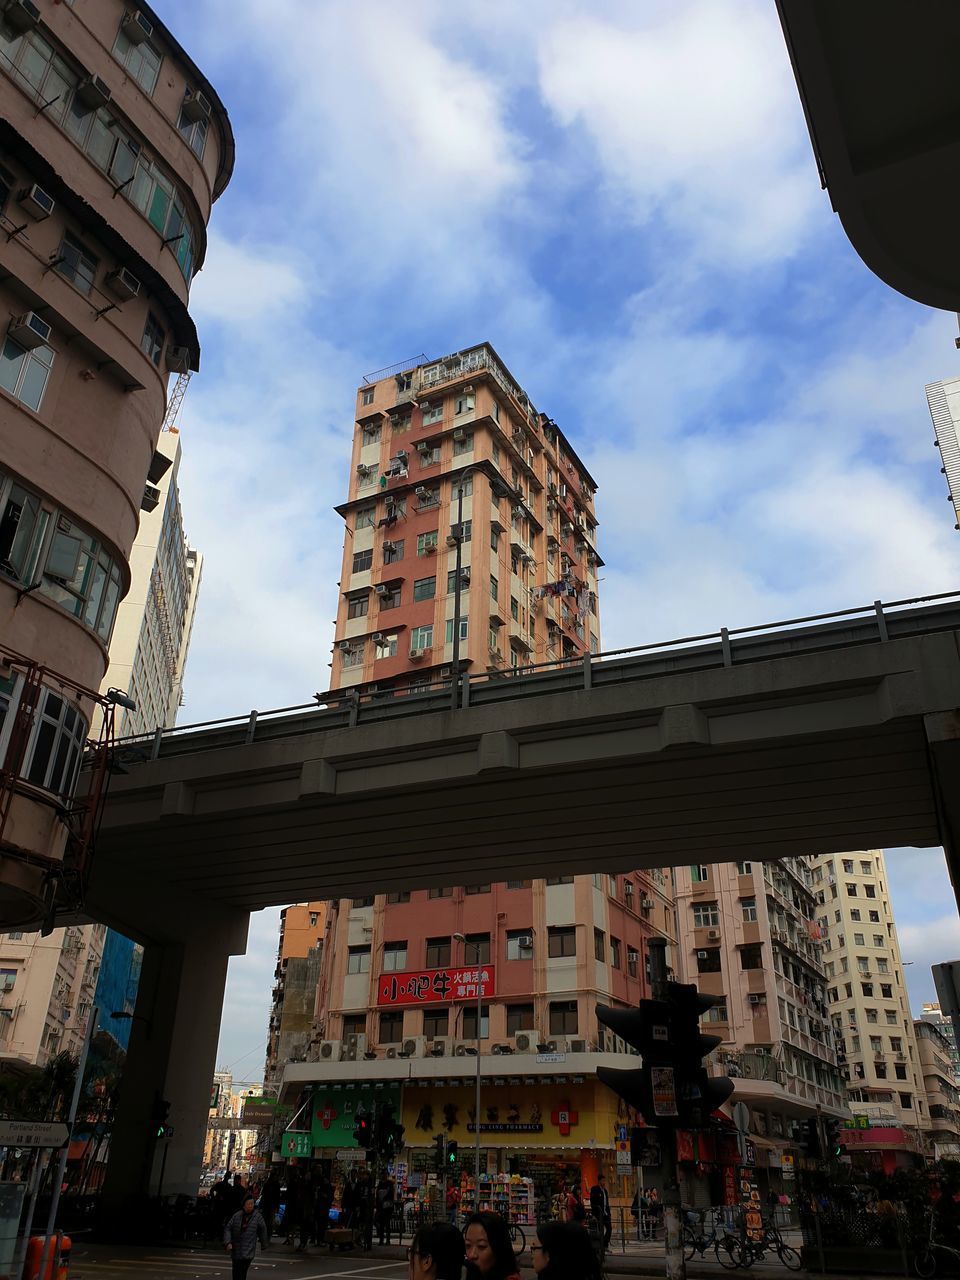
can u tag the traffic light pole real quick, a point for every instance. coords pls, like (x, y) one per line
(673, 1249)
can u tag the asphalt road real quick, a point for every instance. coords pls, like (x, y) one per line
(99, 1262)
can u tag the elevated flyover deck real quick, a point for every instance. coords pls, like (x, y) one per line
(809, 736)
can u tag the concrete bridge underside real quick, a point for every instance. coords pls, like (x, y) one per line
(855, 744)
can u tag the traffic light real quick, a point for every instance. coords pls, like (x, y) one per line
(452, 1148)
(831, 1131)
(671, 1087)
(440, 1143)
(362, 1129)
(810, 1138)
(159, 1115)
(389, 1131)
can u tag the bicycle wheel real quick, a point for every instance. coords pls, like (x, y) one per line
(925, 1263)
(688, 1242)
(728, 1252)
(789, 1257)
(517, 1238)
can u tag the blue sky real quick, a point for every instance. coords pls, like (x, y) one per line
(622, 198)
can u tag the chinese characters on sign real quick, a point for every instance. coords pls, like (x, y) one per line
(433, 986)
(664, 1091)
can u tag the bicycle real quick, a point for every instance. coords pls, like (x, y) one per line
(925, 1260)
(517, 1237)
(700, 1240)
(750, 1251)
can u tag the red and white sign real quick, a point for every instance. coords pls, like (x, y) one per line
(436, 986)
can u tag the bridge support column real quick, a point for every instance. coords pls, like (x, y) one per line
(172, 1056)
(943, 739)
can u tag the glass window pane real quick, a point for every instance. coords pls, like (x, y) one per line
(11, 362)
(101, 142)
(109, 606)
(32, 386)
(158, 208)
(37, 773)
(96, 595)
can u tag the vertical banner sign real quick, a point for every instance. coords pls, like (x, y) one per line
(664, 1091)
(294, 1143)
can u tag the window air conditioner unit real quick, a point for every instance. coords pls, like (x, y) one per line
(355, 1047)
(178, 359)
(701, 955)
(22, 15)
(30, 330)
(123, 283)
(329, 1050)
(37, 202)
(195, 106)
(578, 1046)
(525, 1041)
(754, 998)
(93, 92)
(377, 636)
(425, 406)
(415, 654)
(632, 956)
(459, 434)
(525, 942)
(714, 935)
(451, 540)
(647, 904)
(380, 589)
(137, 27)
(414, 1047)
(151, 498)
(388, 545)
(343, 645)
(422, 491)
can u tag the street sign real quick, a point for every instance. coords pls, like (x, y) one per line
(258, 1112)
(664, 1091)
(294, 1143)
(32, 1133)
(623, 1154)
(224, 1122)
(741, 1117)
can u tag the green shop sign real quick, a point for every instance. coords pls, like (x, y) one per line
(333, 1112)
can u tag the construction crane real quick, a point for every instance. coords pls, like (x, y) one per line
(176, 400)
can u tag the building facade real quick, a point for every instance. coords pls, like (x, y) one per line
(151, 638)
(869, 1005)
(943, 401)
(47, 987)
(747, 934)
(932, 1012)
(939, 1087)
(113, 147)
(296, 979)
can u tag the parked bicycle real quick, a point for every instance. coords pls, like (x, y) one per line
(749, 1250)
(933, 1255)
(699, 1235)
(517, 1237)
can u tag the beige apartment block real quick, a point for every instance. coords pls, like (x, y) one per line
(931, 1012)
(296, 979)
(939, 1086)
(869, 1006)
(748, 935)
(46, 991)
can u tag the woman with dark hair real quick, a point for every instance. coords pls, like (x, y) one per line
(562, 1251)
(490, 1256)
(436, 1252)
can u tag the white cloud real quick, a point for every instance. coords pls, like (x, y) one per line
(693, 115)
(240, 283)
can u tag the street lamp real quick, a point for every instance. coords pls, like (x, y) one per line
(456, 533)
(459, 937)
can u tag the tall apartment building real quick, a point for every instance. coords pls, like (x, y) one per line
(931, 1012)
(402, 973)
(747, 933)
(47, 987)
(113, 147)
(940, 1088)
(869, 1005)
(151, 638)
(296, 979)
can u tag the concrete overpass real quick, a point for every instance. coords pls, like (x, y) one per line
(819, 735)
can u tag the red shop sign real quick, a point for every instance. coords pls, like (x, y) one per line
(436, 986)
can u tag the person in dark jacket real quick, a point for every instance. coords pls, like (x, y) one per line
(600, 1208)
(241, 1234)
(270, 1198)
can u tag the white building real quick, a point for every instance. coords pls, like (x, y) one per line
(943, 399)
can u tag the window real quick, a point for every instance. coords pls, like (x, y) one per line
(519, 884)
(469, 1025)
(352, 656)
(433, 413)
(463, 446)
(886, 991)
(358, 960)
(514, 608)
(141, 61)
(153, 338)
(871, 1015)
(465, 530)
(874, 917)
(699, 874)
(425, 588)
(464, 403)
(870, 890)
(563, 1018)
(391, 1028)
(717, 1014)
(749, 908)
(708, 961)
(422, 637)
(867, 988)
(848, 866)
(366, 518)
(744, 868)
(614, 952)
(426, 542)
(75, 261)
(878, 939)
(705, 915)
(357, 606)
(7, 979)
(429, 499)
(494, 539)
(435, 1023)
(387, 647)
(900, 1070)
(519, 944)
(402, 895)
(439, 893)
(599, 945)
(464, 623)
(24, 373)
(429, 457)
(854, 914)
(851, 889)
(891, 1016)
(858, 941)
(370, 434)
(494, 587)
(876, 1044)
(362, 560)
(561, 941)
(54, 754)
(194, 132)
(880, 1068)
(473, 889)
(882, 965)
(392, 551)
(866, 868)
(438, 952)
(519, 1018)
(366, 396)
(560, 880)
(751, 957)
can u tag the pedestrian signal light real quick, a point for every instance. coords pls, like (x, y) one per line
(362, 1132)
(452, 1148)
(831, 1129)
(440, 1144)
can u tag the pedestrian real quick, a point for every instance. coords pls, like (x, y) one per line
(306, 1214)
(562, 1251)
(270, 1198)
(238, 1193)
(654, 1212)
(573, 1210)
(490, 1255)
(384, 1202)
(436, 1253)
(600, 1208)
(453, 1203)
(240, 1237)
(291, 1209)
(323, 1203)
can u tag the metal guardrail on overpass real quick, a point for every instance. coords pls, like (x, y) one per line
(876, 623)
